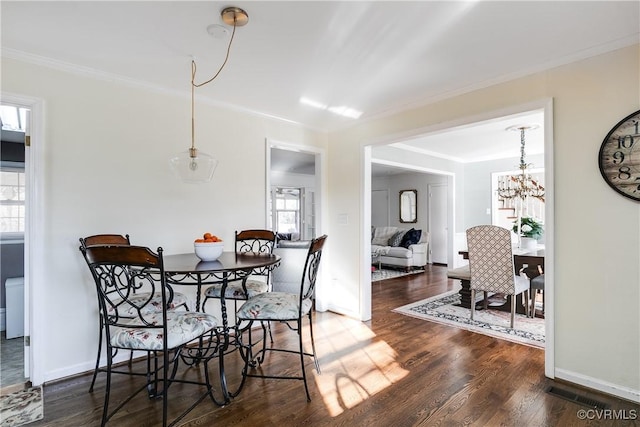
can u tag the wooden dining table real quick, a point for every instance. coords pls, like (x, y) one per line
(188, 270)
(530, 261)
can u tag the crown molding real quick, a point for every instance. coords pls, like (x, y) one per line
(447, 94)
(94, 73)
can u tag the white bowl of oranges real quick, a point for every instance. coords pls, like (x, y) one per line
(209, 248)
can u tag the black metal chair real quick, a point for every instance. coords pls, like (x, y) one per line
(254, 241)
(120, 270)
(247, 241)
(289, 308)
(176, 299)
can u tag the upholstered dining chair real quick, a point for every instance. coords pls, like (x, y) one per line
(537, 284)
(289, 308)
(176, 299)
(247, 241)
(118, 271)
(492, 267)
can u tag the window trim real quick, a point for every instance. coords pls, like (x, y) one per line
(13, 236)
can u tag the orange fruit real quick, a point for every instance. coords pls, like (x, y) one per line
(208, 238)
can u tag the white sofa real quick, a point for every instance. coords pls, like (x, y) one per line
(386, 248)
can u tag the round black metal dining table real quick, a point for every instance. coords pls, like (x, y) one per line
(188, 270)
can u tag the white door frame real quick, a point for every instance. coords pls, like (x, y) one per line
(322, 300)
(34, 277)
(365, 220)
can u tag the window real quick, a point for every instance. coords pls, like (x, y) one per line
(287, 210)
(12, 197)
(13, 118)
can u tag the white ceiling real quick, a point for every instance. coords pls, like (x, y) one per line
(374, 56)
(292, 162)
(486, 140)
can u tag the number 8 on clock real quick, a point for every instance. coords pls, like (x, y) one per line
(619, 157)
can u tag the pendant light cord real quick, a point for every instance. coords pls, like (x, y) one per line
(226, 58)
(193, 151)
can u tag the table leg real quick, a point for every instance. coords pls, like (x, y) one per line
(225, 346)
(465, 294)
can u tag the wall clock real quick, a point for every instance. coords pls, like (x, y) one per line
(619, 157)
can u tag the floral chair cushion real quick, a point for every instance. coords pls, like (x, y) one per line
(154, 306)
(235, 291)
(274, 306)
(182, 327)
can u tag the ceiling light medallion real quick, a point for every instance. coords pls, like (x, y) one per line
(193, 165)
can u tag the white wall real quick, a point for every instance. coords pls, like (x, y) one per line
(107, 148)
(408, 181)
(597, 231)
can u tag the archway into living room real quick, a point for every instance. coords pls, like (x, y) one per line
(389, 147)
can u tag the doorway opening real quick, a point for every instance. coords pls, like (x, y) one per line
(294, 197)
(293, 188)
(13, 196)
(402, 151)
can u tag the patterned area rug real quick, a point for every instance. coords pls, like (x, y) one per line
(384, 274)
(441, 309)
(22, 407)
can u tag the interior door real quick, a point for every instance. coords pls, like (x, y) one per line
(380, 208)
(438, 223)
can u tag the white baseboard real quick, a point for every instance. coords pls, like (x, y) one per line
(3, 319)
(82, 368)
(342, 311)
(596, 384)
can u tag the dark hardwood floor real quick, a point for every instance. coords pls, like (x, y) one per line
(394, 370)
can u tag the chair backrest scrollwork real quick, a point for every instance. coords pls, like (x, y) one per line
(257, 242)
(312, 264)
(118, 271)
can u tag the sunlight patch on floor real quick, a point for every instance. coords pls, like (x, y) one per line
(358, 365)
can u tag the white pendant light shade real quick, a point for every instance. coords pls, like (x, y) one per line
(193, 166)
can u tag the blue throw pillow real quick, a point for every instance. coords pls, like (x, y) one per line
(411, 237)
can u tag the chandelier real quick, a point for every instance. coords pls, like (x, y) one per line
(194, 165)
(522, 185)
